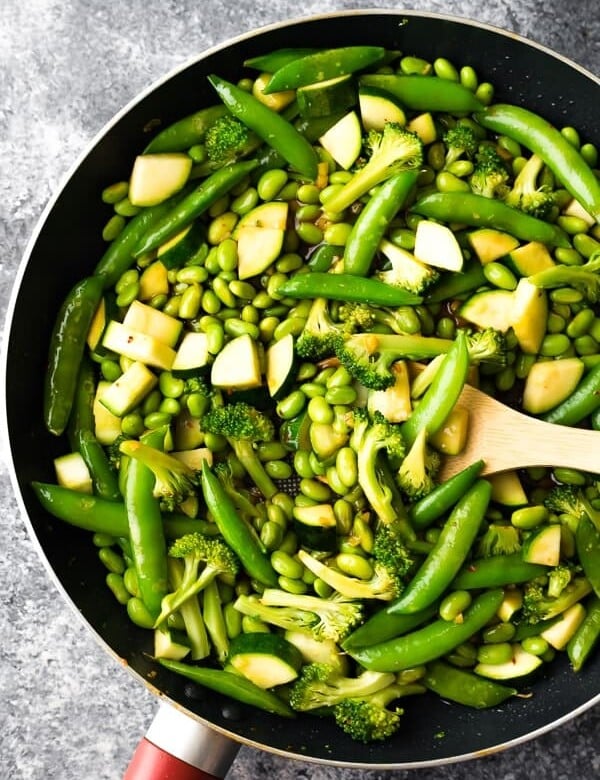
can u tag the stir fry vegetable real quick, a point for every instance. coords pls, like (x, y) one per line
(261, 379)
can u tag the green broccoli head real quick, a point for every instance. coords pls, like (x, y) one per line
(460, 141)
(391, 150)
(114, 451)
(538, 605)
(489, 175)
(499, 539)
(525, 194)
(357, 316)
(406, 270)
(417, 472)
(566, 500)
(369, 719)
(198, 384)
(321, 335)
(368, 358)
(227, 140)
(239, 421)
(488, 345)
(320, 685)
(391, 551)
(559, 577)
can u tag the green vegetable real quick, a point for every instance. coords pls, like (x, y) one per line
(417, 472)
(538, 606)
(320, 685)
(461, 142)
(489, 175)
(587, 539)
(465, 687)
(346, 287)
(525, 193)
(369, 719)
(228, 140)
(584, 278)
(495, 571)
(433, 505)
(498, 539)
(586, 637)
(274, 60)
(426, 94)
(186, 132)
(385, 624)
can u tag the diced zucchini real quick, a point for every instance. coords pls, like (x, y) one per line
(97, 326)
(188, 434)
(295, 433)
(154, 281)
(575, 209)
(551, 382)
(237, 366)
(530, 258)
(155, 177)
(72, 472)
(145, 319)
(107, 426)
(325, 441)
(138, 346)
(507, 488)
(314, 651)
(195, 458)
(436, 245)
(280, 366)
(512, 601)
(424, 126)
(326, 97)
(520, 664)
(265, 659)
(165, 646)
(394, 403)
(490, 244)
(451, 438)
(268, 215)
(126, 392)
(343, 141)
(489, 309)
(259, 235)
(559, 634)
(276, 101)
(543, 546)
(177, 250)
(192, 357)
(529, 316)
(378, 107)
(316, 527)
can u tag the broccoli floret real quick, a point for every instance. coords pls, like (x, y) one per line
(526, 196)
(489, 176)
(570, 500)
(385, 584)
(321, 334)
(114, 451)
(585, 278)
(214, 620)
(488, 345)
(408, 272)
(417, 472)
(499, 539)
(242, 425)
(332, 618)
(175, 481)
(368, 719)
(559, 577)
(196, 549)
(358, 317)
(391, 551)
(392, 150)
(460, 141)
(227, 140)
(370, 439)
(538, 605)
(320, 685)
(240, 497)
(197, 384)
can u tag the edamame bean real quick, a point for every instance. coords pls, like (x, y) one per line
(585, 345)
(448, 182)
(500, 276)
(572, 225)
(125, 208)
(302, 465)
(115, 192)
(499, 653)
(322, 589)
(308, 193)
(529, 517)
(569, 476)
(219, 207)
(554, 344)
(320, 411)
(536, 645)
(192, 273)
(415, 66)
(341, 395)
(510, 146)
(221, 227)
(291, 585)
(315, 490)
(289, 262)
(215, 337)
(271, 183)
(354, 566)
(590, 154)
(363, 532)
(235, 327)
(454, 604)
(291, 405)
(278, 469)
(285, 502)
(461, 168)
(117, 587)
(337, 234)
(245, 202)
(271, 535)
(445, 69)
(346, 466)
(501, 632)
(485, 93)
(139, 614)
(309, 233)
(585, 244)
(113, 227)
(252, 625)
(567, 256)
(170, 386)
(468, 77)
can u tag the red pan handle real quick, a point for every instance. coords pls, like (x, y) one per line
(177, 747)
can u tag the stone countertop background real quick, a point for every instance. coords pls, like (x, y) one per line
(67, 711)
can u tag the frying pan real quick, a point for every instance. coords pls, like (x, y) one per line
(67, 241)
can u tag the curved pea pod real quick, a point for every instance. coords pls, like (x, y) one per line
(586, 637)
(67, 345)
(464, 687)
(537, 134)
(430, 642)
(384, 625)
(274, 60)
(584, 400)
(426, 93)
(104, 477)
(467, 208)
(323, 65)
(449, 552)
(443, 497)
(179, 136)
(268, 125)
(587, 540)
(497, 570)
(346, 287)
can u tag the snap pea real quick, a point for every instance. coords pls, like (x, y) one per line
(587, 540)
(465, 687)
(586, 637)
(275, 60)
(385, 625)
(346, 287)
(497, 570)
(430, 642)
(67, 344)
(452, 285)
(563, 159)
(235, 531)
(104, 477)
(232, 685)
(192, 205)
(583, 401)
(449, 552)
(82, 414)
(323, 65)
(186, 132)
(432, 506)
(268, 125)
(430, 93)
(374, 220)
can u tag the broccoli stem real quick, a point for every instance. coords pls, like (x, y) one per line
(190, 613)
(249, 460)
(214, 620)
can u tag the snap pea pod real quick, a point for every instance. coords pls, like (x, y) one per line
(235, 532)
(587, 541)
(467, 208)
(374, 220)
(442, 394)
(233, 685)
(346, 287)
(186, 132)
(584, 400)
(464, 687)
(586, 637)
(496, 571)
(268, 125)
(104, 477)
(430, 642)
(449, 552)
(426, 93)
(537, 134)
(432, 506)
(82, 414)
(454, 284)
(384, 625)
(95, 514)
(67, 345)
(195, 203)
(146, 532)
(277, 59)
(323, 65)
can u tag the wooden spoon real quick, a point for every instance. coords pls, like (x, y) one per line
(506, 439)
